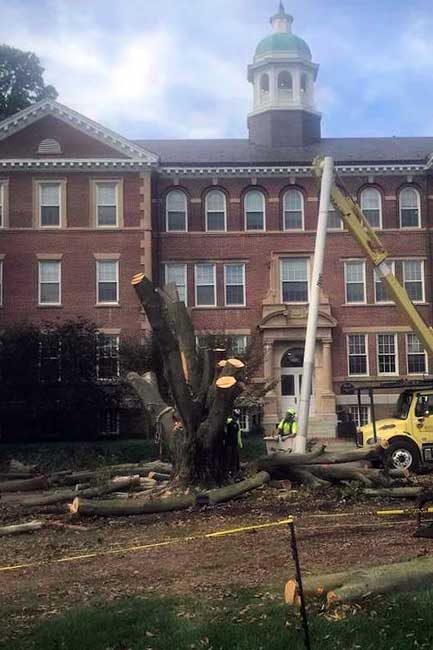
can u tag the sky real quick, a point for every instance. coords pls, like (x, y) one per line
(178, 68)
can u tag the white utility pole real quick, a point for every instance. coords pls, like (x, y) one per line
(300, 445)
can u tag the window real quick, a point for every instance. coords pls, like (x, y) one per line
(50, 369)
(107, 356)
(107, 281)
(49, 283)
(205, 285)
(264, 83)
(285, 84)
(176, 217)
(293, 206)
(294, 279)
(380, 290)
(234, 282)
(2, 205)
(254, 211)
(416, 356)
(49, 146)
(239, 343)
(362, 417)
(357, 354)
(215, 211)
(244, 420)
(109, 422)
(413, 279)
(354, 274)
(106, 204)
(50, 205)
(387, 354)
(334, 220)
(371, 206)
(1, 283)
(177, 273)
(304, 83)
(410, 208)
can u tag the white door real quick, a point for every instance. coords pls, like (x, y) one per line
(291, 379)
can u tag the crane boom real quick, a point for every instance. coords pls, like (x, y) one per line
(367, 238)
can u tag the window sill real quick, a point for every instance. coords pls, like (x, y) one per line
(107, 304)
(47, 306)
(216, 307)
(380, 304)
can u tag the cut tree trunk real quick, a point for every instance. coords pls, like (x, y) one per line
(353, 585)
(25, 485)
(142, 469)
(222, 494)
(68, 495)
(395, 493)
(17, 529)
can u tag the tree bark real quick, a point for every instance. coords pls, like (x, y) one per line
(220, 495)
(68, 495)
(115, 508)
(142, 469)
(352, 585)
(396, 492)
(17, 529)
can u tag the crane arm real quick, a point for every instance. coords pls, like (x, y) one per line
(372, 247)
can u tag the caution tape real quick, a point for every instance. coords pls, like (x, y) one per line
(144, 547)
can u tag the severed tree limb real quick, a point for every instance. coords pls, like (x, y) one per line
(17, 529)
(396, 492)
(25, 485)
(220, 495)
(116, 508)
(208, 375)
(142, 469)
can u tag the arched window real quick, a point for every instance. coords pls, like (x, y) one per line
(49, 146)
(293, 206)
(215, 210)
(254, 210)
(285, 84)
(293, 358)
(304, 83)
(264, 83)
(176, 213)
(371, 205)
(410, 208)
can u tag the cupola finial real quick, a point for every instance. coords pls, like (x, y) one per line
(281, 21)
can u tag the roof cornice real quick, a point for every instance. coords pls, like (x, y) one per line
(35, 112)
(69, 164)
(286, 170)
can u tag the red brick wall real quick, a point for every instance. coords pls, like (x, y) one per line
(25, 143)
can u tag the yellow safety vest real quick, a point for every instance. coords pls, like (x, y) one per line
(286, 428)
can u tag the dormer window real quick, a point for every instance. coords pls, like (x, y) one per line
(49, 146)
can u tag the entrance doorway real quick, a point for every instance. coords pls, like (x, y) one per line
(292, 363)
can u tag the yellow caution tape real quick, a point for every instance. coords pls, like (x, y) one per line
(144, 547)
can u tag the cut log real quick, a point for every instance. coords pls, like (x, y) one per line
(142, 469)
(159, 477)
(354, 585)
(226, 382)
(18, 529)
(395, 493)
(25, 485)
(347, 472)
(122, 508)
(219, 495)
(63, 496)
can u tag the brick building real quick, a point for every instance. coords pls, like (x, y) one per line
(233, 222)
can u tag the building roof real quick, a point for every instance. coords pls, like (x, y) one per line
(343, 150)
(283, 42)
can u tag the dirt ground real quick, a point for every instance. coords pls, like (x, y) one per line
(207, 568)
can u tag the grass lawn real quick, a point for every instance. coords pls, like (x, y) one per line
(238, 621)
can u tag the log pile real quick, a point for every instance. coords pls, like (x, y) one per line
(356, 584)
(320, 468)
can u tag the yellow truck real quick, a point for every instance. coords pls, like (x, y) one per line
(410, 430)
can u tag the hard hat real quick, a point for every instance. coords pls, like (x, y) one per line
(291, 411)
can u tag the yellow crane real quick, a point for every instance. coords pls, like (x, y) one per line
(410, 431)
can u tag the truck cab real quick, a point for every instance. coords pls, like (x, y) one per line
(409, 431)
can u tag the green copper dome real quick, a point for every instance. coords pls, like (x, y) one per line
(283, 42)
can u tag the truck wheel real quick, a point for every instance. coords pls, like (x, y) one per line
(404, 455)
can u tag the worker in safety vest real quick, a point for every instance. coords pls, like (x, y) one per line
(233, 439)
(288, 427)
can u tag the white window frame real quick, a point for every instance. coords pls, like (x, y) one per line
(99, 336)
(359, 302)
(387, 374)
(353, 408)
(308, 260)
(418, 200)
(206, 210)
(185, 271)
(59, 282)
(390, 263)
(341, 225)
(97, 204)
(243, 304)
(61, 186)
(264, 211)
(295, 190)
(167, 210)
(375, 189)
(214, 285)
(116, 302)
(415, 374)
(366, 374)
(102, 431)
(422, 262)
(244, 345)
